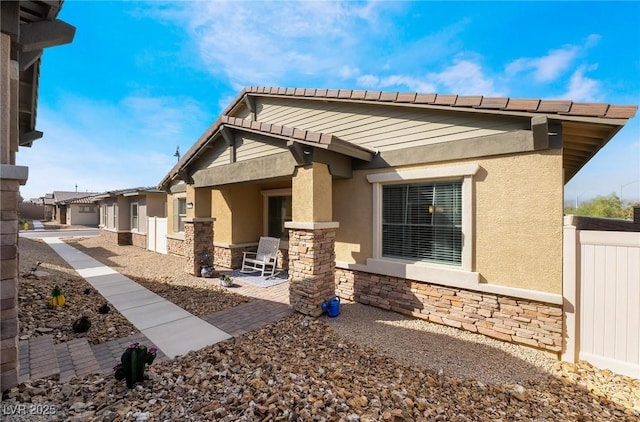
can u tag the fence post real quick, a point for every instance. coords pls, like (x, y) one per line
(570, 290)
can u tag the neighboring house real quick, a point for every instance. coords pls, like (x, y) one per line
(79, 211)
(64, 204)
(49, 206)
(28, 27)
(445, 207)
(123, 214)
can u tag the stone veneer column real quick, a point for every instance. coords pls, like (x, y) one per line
(311, 265)
(11, 177)
(9, 281)
(198, 239)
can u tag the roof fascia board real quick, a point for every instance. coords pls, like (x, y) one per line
(497, 112)
(484, 146)
(336, 144)
(10, 18)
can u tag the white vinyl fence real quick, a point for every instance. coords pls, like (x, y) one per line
(601, 290)
(157, 234)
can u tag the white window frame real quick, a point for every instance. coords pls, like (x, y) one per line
(179, 217)
(103, 215)
(114, 220)
(266, 194)
(137, 207)
(419, 270)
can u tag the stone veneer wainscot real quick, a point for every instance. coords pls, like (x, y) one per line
(514, 320)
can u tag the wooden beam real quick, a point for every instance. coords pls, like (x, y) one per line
(540, 130)
(230, 140)
(28, 58)
(43, 34)
(302, 153)
(9, 18)
(250, 102)
(183, 175)
(27, 138)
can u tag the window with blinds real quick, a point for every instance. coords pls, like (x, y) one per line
(179, 214)
(423, 221)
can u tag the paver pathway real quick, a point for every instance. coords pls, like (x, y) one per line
(172, 329)
(163, 325)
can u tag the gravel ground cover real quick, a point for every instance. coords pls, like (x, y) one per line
(37, 316)
(298, 369)
(365, 365)
(164, 275)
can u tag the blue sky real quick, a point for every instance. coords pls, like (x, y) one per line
(141, 78)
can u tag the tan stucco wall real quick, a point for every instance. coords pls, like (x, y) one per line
(312, 194)
(157, 205)
(244, 224)
(221, 211)
(74, 216)
(518, 219)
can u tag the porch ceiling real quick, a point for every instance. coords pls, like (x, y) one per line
(581, 141)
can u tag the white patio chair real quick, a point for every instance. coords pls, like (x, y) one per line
(265, 257)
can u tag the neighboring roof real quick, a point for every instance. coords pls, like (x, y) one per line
(32, 26)
(586, 127)
(84, 200)
(127, 192)
(63, 196)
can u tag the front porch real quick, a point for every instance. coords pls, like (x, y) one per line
(225, 222)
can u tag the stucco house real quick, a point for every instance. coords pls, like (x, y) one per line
(123, 213)
(66, 204)
(445, 207)
(78, 211)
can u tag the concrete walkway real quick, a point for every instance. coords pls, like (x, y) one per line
(173, 330)
(37, 225)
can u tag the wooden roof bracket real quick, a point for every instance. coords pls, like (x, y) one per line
(250, 102)
(545, 134)
(230, 140)
(340, 165)
(182, 174)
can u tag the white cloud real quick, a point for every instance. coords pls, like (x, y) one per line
(465, 78)
(101, 146)
(582, 88)
(546, 68)
(395, 82)
(265, 43)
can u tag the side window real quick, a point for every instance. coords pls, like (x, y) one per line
(134, 216)
(423, 222)
(179, 214)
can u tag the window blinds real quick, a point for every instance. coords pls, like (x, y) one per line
(423, 221)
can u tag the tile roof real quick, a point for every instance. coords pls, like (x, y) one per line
(560, 107)
(595, 114)
(62, 196)
(128, 191)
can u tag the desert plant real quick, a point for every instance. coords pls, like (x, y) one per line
(226, 280)
(81, 325)
(133, 363)
(104, 309)
(57, 298)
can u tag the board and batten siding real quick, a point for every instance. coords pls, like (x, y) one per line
(247, 148)
(383, 127)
